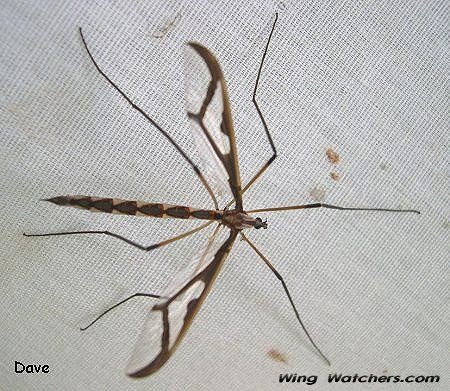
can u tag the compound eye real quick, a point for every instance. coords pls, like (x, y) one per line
(258, 223)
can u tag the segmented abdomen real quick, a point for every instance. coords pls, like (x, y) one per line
(136, 208)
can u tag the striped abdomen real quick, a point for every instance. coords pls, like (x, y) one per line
(135, 208)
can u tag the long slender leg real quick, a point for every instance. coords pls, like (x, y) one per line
(116, 305)
(320, 205)
(168, 137)
(287, 293)
(139, 246)
(266, 128)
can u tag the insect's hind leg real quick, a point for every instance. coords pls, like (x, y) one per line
(126, 240)
(266, 128)
(153, 122)
(116, 305)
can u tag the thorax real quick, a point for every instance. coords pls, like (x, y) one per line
(237, 220)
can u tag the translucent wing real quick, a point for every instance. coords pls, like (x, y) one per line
(169, 319)
(208, 109)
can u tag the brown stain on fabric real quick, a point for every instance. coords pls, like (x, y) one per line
(335, 176)
(275, 355)
(166, 28)
(333, 156)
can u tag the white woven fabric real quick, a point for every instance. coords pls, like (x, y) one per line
(367, 79)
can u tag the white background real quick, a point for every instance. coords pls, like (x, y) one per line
(368, 79)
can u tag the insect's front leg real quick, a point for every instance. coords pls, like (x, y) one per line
(283, 283)
(266, 128)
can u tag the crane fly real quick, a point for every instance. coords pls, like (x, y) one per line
(208, 109)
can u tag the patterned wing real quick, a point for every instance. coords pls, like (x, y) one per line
(208, 109)
(169, 319)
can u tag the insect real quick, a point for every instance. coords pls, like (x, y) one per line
(208, 109)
